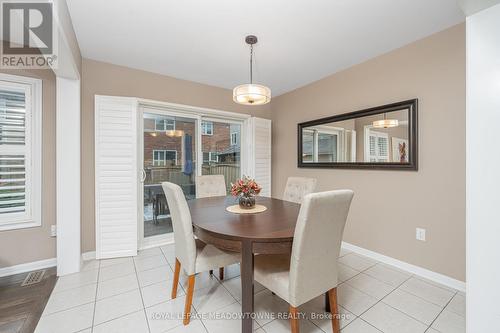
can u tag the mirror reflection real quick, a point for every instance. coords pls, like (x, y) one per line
(378, 138)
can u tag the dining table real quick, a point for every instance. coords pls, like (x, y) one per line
(267, 232)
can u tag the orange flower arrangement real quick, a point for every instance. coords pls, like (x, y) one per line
(246, 187)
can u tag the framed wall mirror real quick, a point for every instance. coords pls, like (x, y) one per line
(384, 137)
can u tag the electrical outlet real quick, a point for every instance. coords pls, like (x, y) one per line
(420, 234)
(53, 230)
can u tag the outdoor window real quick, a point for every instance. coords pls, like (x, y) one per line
(164, 157)
(210, 157)
(20, 152)
(165, 124)
(207, 128)
(234, 139)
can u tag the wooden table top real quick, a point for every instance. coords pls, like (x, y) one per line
(276, 224)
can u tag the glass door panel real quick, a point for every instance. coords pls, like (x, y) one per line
(169, 145)
(221, 150)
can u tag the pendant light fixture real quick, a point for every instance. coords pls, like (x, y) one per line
(386, 123)
(251, 93)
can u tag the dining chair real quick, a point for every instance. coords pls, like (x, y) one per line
(297, 187)
(311, 269)
(211, 186)
(191, 254)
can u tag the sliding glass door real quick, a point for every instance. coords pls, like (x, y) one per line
(176, 148)
(169, 146)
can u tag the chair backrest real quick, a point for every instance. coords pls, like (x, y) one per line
(297, 188)
(316, 244)
(210, 186)
(185, 246)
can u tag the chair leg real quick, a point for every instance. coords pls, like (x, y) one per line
(334, 310)
(189, 300)
(221, 273)
(294, 319)
(176, 278)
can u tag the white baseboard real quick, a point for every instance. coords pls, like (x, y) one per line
(88, 255)
(417, 270)
(28, 267)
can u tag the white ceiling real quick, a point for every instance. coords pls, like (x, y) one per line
(299, 41)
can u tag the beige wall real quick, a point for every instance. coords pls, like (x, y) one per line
(32, 244)
(107, 79)
(389, 205)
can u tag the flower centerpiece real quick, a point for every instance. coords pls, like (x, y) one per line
(245, 189)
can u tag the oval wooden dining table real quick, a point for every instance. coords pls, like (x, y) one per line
(268, 232)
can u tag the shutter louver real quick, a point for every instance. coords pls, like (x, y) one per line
(260, 153)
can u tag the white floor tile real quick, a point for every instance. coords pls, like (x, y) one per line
(88, 330)
(211, 299)
(354, 300)
(427, 291)
(360, 326)
(145, 263)
(75, 280)
(165, 316)
(159, 292)
(413, 306)
(356, 261)
(154, 251)
(88, 265)
(457, 305)
(202, 281)
(115, 271)
(195, 326)
(234, 287)
(117, 286)
(283, 326)
(70, 298)
(449, 322)
(72, 320)
(115, 261)
(259, 330)
(131, 323)
(117, 306)
(370, 286)
(267, 307)
(387, 274)
(159, 274)
(345, 272)
(315, 312)
(390, 320)
(226, 319)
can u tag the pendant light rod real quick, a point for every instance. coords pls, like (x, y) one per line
(251, 40)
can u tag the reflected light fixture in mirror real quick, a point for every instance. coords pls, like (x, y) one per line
(250, 93)
(385, 123)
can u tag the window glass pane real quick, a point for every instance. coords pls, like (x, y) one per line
(327, 147)
(307, 146)
(12, 184)
(222, 150)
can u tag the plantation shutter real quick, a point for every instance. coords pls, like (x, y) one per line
(116, 176)
(259, 149)
(20, 148)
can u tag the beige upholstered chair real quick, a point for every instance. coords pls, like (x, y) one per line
(192, 255)
(311, 270)
(297, 187)
(210, 186)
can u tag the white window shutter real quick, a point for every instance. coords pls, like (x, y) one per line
(116, 176)
(259, 153)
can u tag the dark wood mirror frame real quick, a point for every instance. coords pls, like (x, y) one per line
(412, 165)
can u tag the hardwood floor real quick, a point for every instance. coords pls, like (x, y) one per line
(21, 307)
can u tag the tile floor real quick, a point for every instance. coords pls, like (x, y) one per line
(133, 295)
